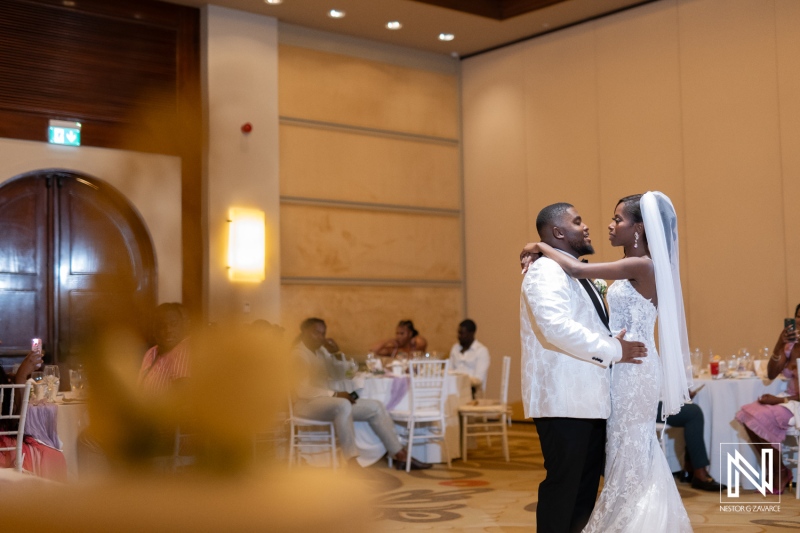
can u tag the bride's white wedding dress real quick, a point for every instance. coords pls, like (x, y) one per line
(639, 492)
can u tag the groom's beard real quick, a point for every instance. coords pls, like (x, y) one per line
(582, 247)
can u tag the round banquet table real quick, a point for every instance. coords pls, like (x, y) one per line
(720, 400)
(393, 392)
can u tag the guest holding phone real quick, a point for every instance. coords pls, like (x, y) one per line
(39, 459)
(767, 419)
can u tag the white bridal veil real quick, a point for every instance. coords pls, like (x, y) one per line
(661, 228)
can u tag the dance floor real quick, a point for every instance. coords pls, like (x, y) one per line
(488, 494)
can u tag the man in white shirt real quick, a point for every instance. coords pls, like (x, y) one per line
(470, 356)
(316, 401)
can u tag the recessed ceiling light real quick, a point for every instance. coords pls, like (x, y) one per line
(393, 25)
(273, 2)
(446, 36)
(336, 14)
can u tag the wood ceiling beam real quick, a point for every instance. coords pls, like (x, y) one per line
(495, 9)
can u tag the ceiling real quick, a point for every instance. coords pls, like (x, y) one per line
(477, 25)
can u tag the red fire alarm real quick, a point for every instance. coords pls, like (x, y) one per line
(247, 127)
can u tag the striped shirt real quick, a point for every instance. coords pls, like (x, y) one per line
(158, 372)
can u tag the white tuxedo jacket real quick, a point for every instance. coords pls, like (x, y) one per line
(566, 348)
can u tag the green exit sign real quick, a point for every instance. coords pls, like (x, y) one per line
(64, 132)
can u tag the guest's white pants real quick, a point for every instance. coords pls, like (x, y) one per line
(342, 413)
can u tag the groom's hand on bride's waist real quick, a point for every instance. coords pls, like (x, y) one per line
(632, 352)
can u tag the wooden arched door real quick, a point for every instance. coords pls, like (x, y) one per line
(72, 248)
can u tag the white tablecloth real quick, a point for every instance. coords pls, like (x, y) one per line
(72, 418)
(370, 447)
(720, 400)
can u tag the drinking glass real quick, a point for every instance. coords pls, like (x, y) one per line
(39, 386)
(697, 362)
(52, 378)
(351, 368)
(371, 366)
(77, 381)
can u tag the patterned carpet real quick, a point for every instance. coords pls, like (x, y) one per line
(488, 494)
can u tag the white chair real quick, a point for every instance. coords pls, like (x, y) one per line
(790, 455)
(179, 459)
(791, 451)
(9, 390)
(427, 397)
(308, 436)
(487, 417)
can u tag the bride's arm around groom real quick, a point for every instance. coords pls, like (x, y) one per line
(561, 332)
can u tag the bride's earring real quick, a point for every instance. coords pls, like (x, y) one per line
(635, 239)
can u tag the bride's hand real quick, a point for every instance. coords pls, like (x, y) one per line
(528, 255)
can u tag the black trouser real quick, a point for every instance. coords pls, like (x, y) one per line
(574, 452)
(690, 418)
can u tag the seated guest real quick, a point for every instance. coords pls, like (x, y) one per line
(470, 356)
(767, 419)
(695, 469)
(167, 361)
(163, 367)
(406, 340)
(39, 459)
(316, 401)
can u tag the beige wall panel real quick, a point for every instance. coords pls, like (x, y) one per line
(561, 121)
(733, 175)
(639, 115)
(347, 243)
(342, 89)
(788, 41)
(495, 204)
(337, 165)
(358, 317)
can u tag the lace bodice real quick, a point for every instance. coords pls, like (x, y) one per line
(631, 311)
(639, 493)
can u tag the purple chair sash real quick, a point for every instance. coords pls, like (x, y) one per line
(399, 390)
(40, 424)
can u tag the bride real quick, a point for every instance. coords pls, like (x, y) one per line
(639, 493)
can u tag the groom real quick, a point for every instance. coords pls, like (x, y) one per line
(567, 348)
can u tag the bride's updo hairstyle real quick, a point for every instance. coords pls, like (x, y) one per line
(631, 207)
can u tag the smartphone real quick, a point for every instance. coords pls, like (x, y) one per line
(36, 345)
(792, 326)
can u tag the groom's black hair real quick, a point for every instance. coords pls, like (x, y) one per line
(550, 215)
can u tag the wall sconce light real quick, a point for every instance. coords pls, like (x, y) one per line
(246, 244)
